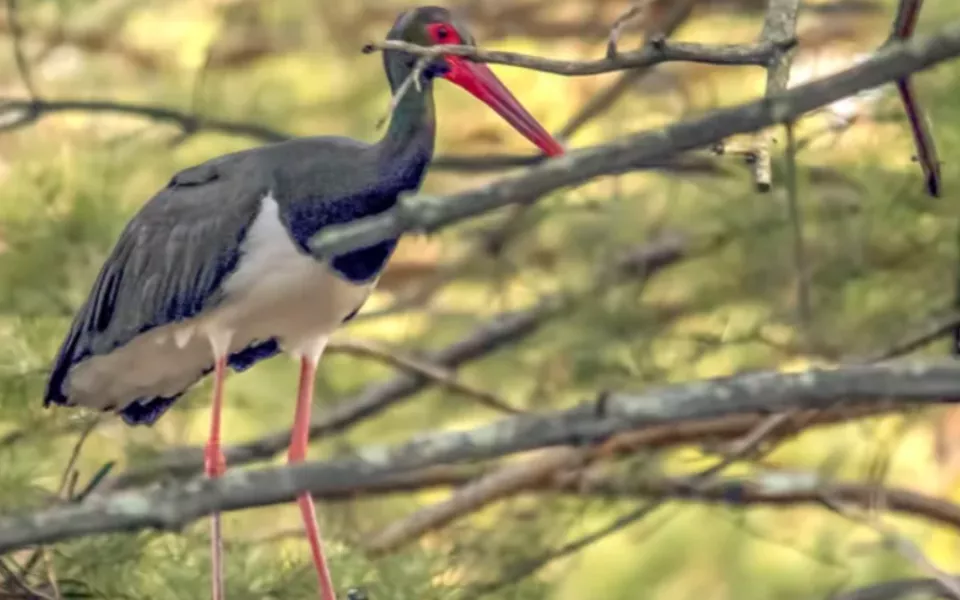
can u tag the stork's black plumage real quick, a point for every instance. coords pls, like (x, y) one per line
(214, 271)
(173, 257)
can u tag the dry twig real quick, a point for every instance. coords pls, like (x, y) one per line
(908, 12)
(636, 11)
(421, 368)
(506, 481)
(16, 33)
(904, 546)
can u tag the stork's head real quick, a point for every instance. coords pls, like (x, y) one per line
(433, 25)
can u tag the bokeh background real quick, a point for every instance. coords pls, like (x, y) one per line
(883, 261)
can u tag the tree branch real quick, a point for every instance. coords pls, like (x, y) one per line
(176, 505)
(773, 488)
(428, 214)
(33, 110)
(780, 22)
(16, 34)
(506, 481)
(901, 589)
(676, 13)
(904, 24)
(436, 374)
(653, 54)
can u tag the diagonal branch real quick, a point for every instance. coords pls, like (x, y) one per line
(428, 214)
(904, 24)
(16, 33)
(506, 481)
(421, 368)
(174, 506)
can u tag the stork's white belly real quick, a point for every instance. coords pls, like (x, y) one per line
(275, 292)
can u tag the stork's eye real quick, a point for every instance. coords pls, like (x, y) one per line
(443, 33)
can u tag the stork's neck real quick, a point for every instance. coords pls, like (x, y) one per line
(407, 147)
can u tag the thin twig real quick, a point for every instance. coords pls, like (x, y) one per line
(904, 546)
(677, 12)
(75, 454)
(69, 474)
(501, 483)
(931, 332)
(693, 484)
(800, 263)
(904, 24)
(899, 589)
(34, 110)
(435, 373)
(636, 10)
(412, 80)
(523, 569)
(16, 32)
(13, 579)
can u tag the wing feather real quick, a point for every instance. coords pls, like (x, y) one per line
(166, 266)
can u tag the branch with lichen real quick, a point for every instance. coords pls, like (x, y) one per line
(174, 506)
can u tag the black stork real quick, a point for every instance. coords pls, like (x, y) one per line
(214, 270)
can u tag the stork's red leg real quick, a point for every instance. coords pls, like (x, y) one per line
(214, 465)
(298, 451)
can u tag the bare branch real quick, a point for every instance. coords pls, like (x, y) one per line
(428, 214)
(933, 331)
(521, 570)
(780, 23)
(636, 10)
(653, 54)
(677, 12)
(771, 488)
(498, 484)
(908, 12)
(691, 485)
(435, 373)
(34, 110)
(907, 548)
(900, 589)
(800, 263)
(16, 32)
(190, 124)
(175, 505)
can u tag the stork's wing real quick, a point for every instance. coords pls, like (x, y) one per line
(166, 266)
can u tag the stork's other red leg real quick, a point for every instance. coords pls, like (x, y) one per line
(214, 465)
(298, 451)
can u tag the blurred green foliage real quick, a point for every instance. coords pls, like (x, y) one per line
(883, 260)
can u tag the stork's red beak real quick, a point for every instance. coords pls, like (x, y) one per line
(480, 81)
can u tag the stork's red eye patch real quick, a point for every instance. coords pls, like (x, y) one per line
(443, 33)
